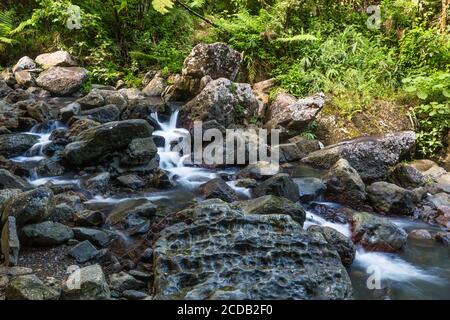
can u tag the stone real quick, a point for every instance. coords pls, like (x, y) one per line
(39, 111)
(30, 287)
(288, 152)
(343, 245)
(9, 115)
(443, 217)
(406, 176)
(442, 237)
(94, 99)
(103, 114)
(62, 81)
(83, 252)
(24, 63)
(420, 234)
(218, 188)
(259, 170)
(156, 87)
(10, 244)
(376, 234)
(16, 144)
(271, 257)
(389, 150)
(8, 77)
(89, 218)
(280, 185)
(310, 188)
(72, 109)
(131, 181)
(140, 151)
(274, 205)
(55, 59)
(24, 78)
(122, 281)
(39, 92)
(389, 198)
(134, 295)
(147, 255)
(87, 283)
(344, 185)
(46, 233)
(96, 237)
(147, 210)
(99, 183)
(10, 181)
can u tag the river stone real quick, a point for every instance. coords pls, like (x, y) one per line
(245, 256)
(146, 210)
(156, 87)
(131, 181)
(140, 151)
(39, 111)
(62, 81)
(420, 234)
(217, 188)
(8, 77)
(343, 245)
(24, 78)
(10, 181)
(87, 283)
(97, 237)
(94, 99)
(99, 183)
(96, 142)
(134, 295)
(407, 176)
(10, 244)
(9, 115)
(5, 196)
(103, 114)
(391, 199)
(274, 205)
(55, 59)
(16, 144)
(83, 252)
(280, 185)
(310, 188)
(360, 153)
(46, 233)
(259, 170)
(89, 218)
(376, 234)
(24, 63)
(30, 207)
(39, 92)
(30, 287)
(122, 281)
(72, 109)
(344, 185)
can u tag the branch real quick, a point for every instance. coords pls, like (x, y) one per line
(198, 15)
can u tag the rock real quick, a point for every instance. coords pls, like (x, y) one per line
(16, 144)
(15, 271)
(226, 102)
(407, 176)
(217, 188)
(344, 185)
(140, 151)
(156, 87)
(87, 283)
(391, 199)
(288, 152)
(30, 207)
(8, 77)
(83, 252)
(5, 196)
(310, 188)
(343, 245)
(131, 181)
(30, 287)
(376, 234)
(9, 116)
(24, 63)
(103, 114)
(46, 233)
(63, 213)
(10, 181)
(291, 114)
(39, 111)
(62, 81)
(274, 205)
(80, 125)
(10, 244)
(69, 111)
(390, 149)
(443, 237)
(280, 185)
(259, 170)
(428, 168)
(122, 281)
(443, 217)
(99, 183)
(439, 200)
(262, 91)
(55, 59)
(101, 140)
(24, 78)
(97, 237)
(89, 218)
(147, 210)
(134, 295)
(140, 275)
(38, 92)
(246, 183)
(147, 255)
(420, 234)
(94, 99)
(272, 258)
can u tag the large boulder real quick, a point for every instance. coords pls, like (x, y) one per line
(391, 199)
(344, 185)
(280, 185)
(156, 87)
(24, 63)
(226, 102)
(39, 110)
(103, 114)
(46, 233)
(16, 144)
(218, 188)
(30, 287)
(55, 59)
(255, 257)
(376, 234)
(99, 141)
(62, 81)
(10, 243)
(88, 283)
(140, 151)
(370, 156)
(407, 176)
(11, 181)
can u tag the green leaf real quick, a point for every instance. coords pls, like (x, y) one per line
(162, 6)
(446, 93)
(422, 94)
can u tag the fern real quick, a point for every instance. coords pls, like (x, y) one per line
(299, 37)
(6, 27)
(162, 6)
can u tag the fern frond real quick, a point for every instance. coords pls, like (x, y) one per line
(162, 6)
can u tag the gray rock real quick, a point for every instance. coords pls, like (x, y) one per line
(103, 114)
(10, 181)
(259, 170)
(147, 255)
(134, 295)
(8, 77)
(83, 252)
(46, 233)
(55, 59)
(39, 111)
(99, 183)
(16, 144)
(391, 199)
(24, 63)
(280, 185)
(24, 78)
(97, 237)
(140, 151)
(9, 115)
(30, 287)
(89, 218)
(10, 242)
(156, 87)
(92, 100)
(69, 111)
(407, 176)
(217, 188)
(87, 283)
(62, 81)
(122, 281)
(131, 181)
(147, 210)
(310, 188)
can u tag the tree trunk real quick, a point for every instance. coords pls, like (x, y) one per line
(444, 14)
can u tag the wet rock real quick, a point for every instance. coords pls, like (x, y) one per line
(274, 205)
(8, 77)
(38, 92)
(99, 141)
(155, 87)
(30, 207)
(122, 281)
(344, 185)
(62, 213)
(272, 258)
(443, 217)
(55, 59)
(147, 210)
(10, 181)
(343, 245)
(39, 111)
(246, 183)
(443, 237)
(259, 170)
(407, 176)
(62, 81)
(10, 244)
(103, 114)
(310, 188)
(24, 78)
(131, 181)
(147, 255)
(16, 144)
(94, 99)
(89, 218)
(83, 252)
(291, 114)
(97, 237)
(391, 199)
(331, 212)
(280, 185)
(24, 63)
(390, 149)
(9, 115)
(99, 183)
(439, 200)
(376, 234)
(30, 287)
(134, 295)
(140, 151)
(80, 125)
(420, 234)
(5, 195)
(288, 152)
(217, 188)
(69, 111)
(18, 95)
(46, 233)
(87, 283)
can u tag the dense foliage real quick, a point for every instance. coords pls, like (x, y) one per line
(307, 45)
